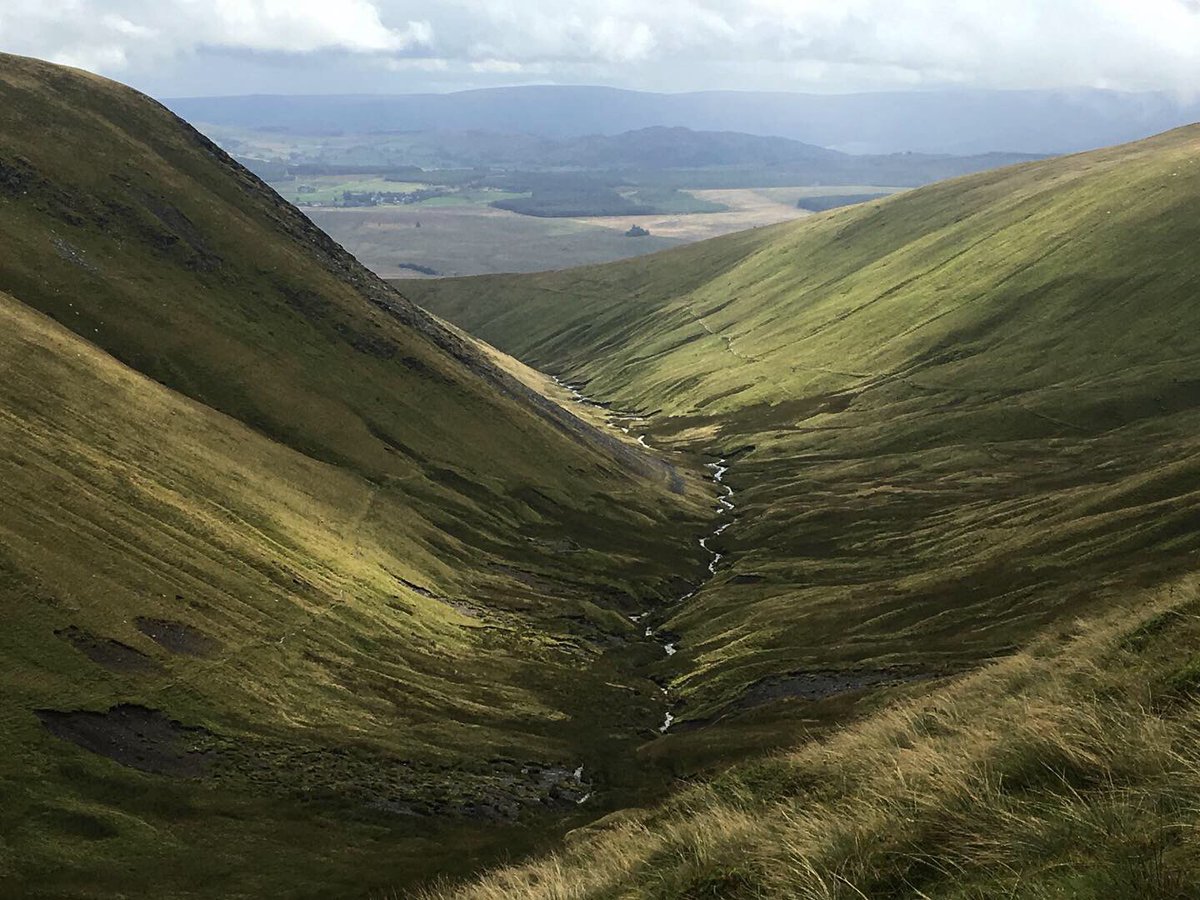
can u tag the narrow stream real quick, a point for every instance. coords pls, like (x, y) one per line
(724, 509)
(613, 419)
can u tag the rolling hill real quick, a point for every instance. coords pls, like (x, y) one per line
(304, 592)
(960, 121)
(955, 414)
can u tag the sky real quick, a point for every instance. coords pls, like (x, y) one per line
(178, 48)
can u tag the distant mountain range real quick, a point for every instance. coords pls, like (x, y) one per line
(664, 156)
(958, 122)
(730, 158)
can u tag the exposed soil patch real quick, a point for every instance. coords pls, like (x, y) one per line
(111, 654)
(178, 637)
(417, 589)
(458, 605)
(134, 736)
(499, 790)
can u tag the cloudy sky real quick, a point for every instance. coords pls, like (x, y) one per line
(206, 47)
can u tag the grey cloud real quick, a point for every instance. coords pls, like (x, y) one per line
(399, 45)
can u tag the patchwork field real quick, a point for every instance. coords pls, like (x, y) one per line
(747, 208)
(457, 237)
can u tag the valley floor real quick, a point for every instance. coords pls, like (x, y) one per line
(1069, 769)
(478, 240)
(950, 647)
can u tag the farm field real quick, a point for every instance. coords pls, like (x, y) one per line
(747, 208)
(329, 190)
(473, 240)
(458, 237)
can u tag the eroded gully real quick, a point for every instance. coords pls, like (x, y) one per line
(626, 423)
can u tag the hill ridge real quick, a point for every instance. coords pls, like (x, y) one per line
(293, 573)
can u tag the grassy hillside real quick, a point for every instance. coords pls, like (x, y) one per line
(954, 416)
(1069, 769)
(309, 593)
(304, 593)
(956, 421)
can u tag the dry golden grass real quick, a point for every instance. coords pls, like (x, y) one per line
(1071, 768)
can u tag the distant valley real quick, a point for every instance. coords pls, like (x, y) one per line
(416, 204)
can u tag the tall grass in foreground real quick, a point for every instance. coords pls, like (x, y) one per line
(1071, 769)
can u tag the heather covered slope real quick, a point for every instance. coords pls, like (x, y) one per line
(954, 416)
(303, 593)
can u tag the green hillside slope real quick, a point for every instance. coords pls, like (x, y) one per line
(303, 593)
(962, 428)
(953, 416)
(308, 593)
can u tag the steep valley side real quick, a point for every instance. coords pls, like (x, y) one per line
(831, 551)
(950, 647)
(305, 593)
(957, 415)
